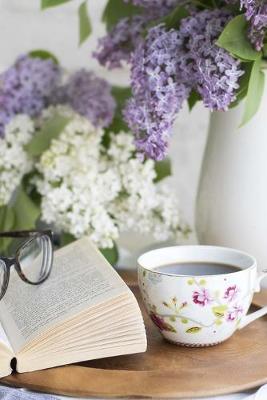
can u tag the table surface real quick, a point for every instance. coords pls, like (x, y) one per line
(236, 396)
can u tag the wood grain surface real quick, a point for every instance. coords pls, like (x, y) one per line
(165, 370)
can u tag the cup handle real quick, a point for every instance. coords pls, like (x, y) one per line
(247, 319)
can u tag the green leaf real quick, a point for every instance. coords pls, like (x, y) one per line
(50, 130)
(44, 55)
(234, 39)
(193, 99)
(115, 10)
(194, 329)
(163, 169)
(255, 91)
(22, 215)
(26, 211)
(52, 3)
(7, 220)
(111, 255)
(219, 311)
(203, 3)
(121, 95)
(66, 238)
(173, 19)
(117, 125)
(168, 327)
(84, 22)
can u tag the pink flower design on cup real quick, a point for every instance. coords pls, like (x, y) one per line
(202, 297)
(234, 313)
(160, 323)
(231, 293)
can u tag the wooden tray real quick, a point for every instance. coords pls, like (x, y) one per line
(165, 370)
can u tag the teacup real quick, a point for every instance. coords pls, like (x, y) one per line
(199, 295)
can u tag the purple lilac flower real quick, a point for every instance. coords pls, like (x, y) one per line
(154, 3)
(167, 65)
(118, 44)
(89, 96)
(213, 72)
(256, 13)
(158, 93)
(26, 87)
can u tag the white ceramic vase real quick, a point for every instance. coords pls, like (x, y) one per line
(231, 208)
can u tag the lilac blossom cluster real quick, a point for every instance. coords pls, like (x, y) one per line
(89, 96)
(154, 3)
(212, 71)
(117, 46)
(26, 87)
(167, 66)
(256, 13)
(32, 84)
(158, 93)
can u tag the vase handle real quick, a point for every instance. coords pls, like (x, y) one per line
(247, 319)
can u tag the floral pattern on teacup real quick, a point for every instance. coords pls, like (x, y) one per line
(231, 293)
(201, 297)
(234, 313)
(224, 307)
(161, 324)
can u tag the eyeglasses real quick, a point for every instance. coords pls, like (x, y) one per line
(33, 258)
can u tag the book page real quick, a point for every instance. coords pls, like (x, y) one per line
(4, 342)
(80, 279)
(6, 354)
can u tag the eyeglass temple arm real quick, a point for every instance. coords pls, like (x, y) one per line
(27, 233)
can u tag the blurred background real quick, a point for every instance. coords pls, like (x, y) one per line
(25, 27)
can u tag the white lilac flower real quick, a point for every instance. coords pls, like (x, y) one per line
(87, 189)
(14, 161)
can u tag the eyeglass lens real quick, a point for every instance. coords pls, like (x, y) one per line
(3, 278)
(35, 258)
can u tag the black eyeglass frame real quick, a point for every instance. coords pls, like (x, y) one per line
(8, 262)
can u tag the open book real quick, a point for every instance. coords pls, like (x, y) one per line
(83, 311)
